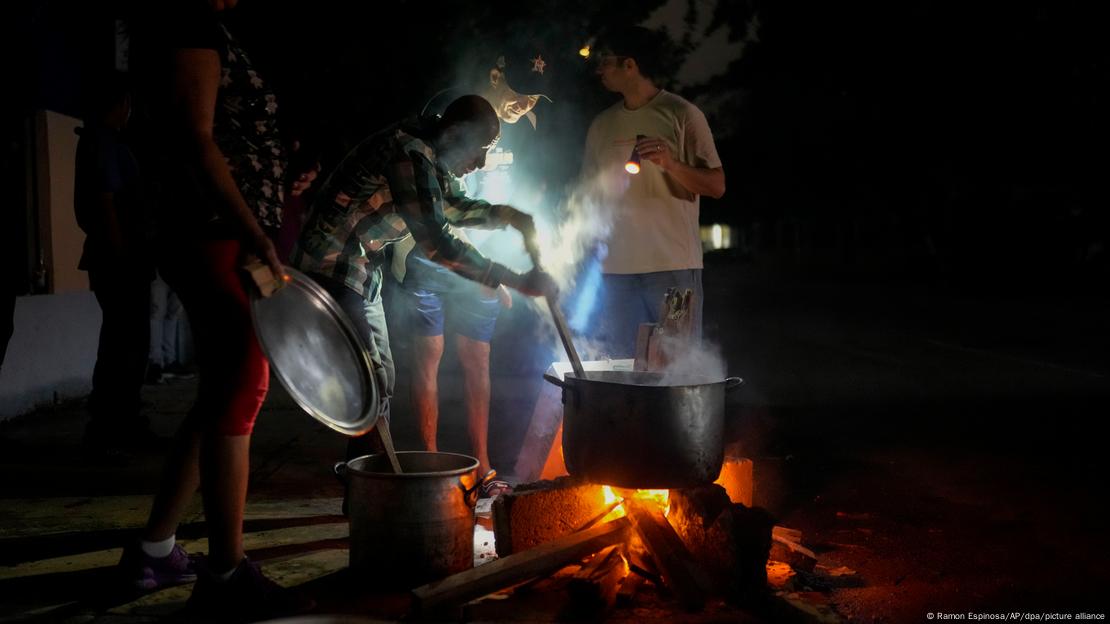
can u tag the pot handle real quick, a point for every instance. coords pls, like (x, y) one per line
(340, 470)
(470, 494)
(733, 383)
(558, 382)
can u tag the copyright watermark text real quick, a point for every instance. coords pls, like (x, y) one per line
(1017, 616)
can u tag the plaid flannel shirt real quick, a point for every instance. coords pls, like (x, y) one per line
(387, 188)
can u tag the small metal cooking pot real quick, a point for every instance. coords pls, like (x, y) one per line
(629, 430)
(412, 527)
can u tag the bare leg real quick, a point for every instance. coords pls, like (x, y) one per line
(180, 480)
(427, 351)
(224, 469)
(474, 355)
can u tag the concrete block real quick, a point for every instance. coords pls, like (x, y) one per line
(539, 512)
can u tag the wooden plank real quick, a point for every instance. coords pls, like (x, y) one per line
(594, 587)
(672, 558)
(643, 339)
(799, 557)
(629, 586)
(794, 535)
(519, 567)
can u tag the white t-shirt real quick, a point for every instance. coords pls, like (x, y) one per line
(654, 219)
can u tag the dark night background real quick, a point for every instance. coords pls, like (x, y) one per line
(918, 292)
(955, 142)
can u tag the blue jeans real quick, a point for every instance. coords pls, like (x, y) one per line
(631, 299)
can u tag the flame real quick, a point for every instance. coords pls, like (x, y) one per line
(658, 498)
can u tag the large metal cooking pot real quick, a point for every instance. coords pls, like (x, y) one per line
(411, 528)
(643, 430)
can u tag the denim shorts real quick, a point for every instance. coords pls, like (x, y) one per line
(442, 300)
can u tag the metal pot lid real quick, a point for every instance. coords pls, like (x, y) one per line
(317, 354)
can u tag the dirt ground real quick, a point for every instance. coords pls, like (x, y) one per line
(942, 444)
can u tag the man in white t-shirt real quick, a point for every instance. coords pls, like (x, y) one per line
(655, 242)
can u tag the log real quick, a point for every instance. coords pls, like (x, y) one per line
(543, 599)
(680, 574)
(519, 567)
(788, 551)
(794, 535)
(702, 518)
(730, 542)
(630, 584)
(752, 527)
(593, 589)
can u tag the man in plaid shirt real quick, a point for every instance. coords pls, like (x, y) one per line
(401, 182)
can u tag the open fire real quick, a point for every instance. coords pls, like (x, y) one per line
(614, 497)
(579, 548)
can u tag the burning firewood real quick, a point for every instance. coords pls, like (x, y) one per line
(729, 541)
(680, 574)
(630, 584)
(594, 588)
(521, 566)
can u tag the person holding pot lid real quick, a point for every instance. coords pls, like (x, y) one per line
(396, 184)
(214, 145)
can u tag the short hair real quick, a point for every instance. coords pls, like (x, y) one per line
(652, 50)
(474, 111)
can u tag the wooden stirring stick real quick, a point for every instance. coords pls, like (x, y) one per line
(556, 313)
(387, 441)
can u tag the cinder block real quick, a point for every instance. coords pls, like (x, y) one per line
(539, 512)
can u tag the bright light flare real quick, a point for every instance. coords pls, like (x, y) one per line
(584, 51)
(632, 167)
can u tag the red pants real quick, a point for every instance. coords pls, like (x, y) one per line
(234, 374)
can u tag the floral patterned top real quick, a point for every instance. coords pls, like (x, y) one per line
(245, 125)
(246, 132)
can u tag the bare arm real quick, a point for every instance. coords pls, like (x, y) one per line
(699, 180)
(195, 85)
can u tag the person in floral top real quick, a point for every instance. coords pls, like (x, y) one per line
(220, 167)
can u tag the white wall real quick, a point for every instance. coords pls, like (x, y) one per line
(52, 352)
(53, 349)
